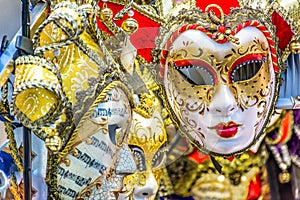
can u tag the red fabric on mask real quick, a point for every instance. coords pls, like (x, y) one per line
(283, 30)
(144, 38)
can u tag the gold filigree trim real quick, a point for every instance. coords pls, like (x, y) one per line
(147, 104)
(232, 170)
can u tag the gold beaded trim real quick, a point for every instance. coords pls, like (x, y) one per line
(4, 108)
(75, 20)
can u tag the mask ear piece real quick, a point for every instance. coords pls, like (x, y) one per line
(289, 91)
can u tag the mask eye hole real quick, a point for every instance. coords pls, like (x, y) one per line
(160, 157)
(196, 72)
(246, 69)
(139, 157)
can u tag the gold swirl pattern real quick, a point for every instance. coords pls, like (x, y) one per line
(146, 137)
(76, 66)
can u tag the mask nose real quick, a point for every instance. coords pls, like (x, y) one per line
(223, 103)
(145, 194)
(148, 190)
(125, 163)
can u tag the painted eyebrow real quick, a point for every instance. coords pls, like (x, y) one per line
(249, 57)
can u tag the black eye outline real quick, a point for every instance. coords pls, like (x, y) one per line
(248, 68)
(160, 157)
(196, 72)
(139, 157)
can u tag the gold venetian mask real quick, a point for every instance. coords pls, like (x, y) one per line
(147, 140)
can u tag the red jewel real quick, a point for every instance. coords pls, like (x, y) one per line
(231, 158)
(221, 29)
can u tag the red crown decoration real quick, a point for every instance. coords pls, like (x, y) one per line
(144, 38)
(151, 17)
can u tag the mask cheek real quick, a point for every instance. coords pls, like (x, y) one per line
(191, 98)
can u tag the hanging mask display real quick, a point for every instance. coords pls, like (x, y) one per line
(216, 68)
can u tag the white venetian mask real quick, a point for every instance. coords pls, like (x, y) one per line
(221, 93)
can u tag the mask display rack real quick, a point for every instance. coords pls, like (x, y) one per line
(163, 99)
